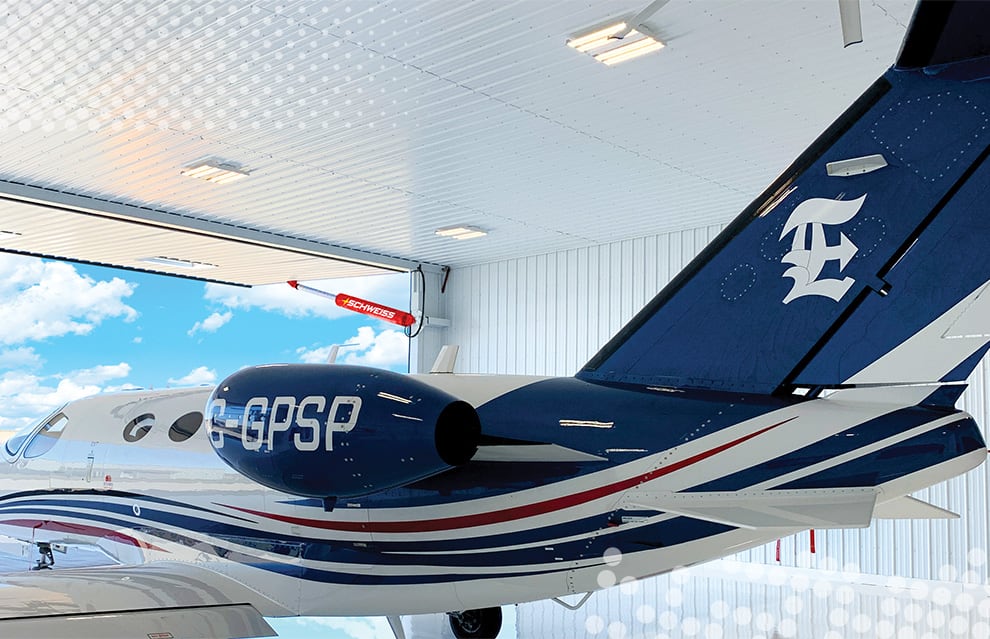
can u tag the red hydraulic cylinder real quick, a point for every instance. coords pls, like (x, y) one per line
(359, 305)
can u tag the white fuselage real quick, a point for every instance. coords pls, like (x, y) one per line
(158, 499)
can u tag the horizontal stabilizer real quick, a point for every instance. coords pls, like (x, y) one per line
(815, 508)
(218, 622)
(908, 507)
(532, 453)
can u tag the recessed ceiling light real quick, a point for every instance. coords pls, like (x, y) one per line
(177, 263)
(615, 43)
(641, 45)
(215, 170)
(461, 232)
(596, 38)
(622, 40)
(6, 235)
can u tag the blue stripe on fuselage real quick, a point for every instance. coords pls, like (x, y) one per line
(633, 539)
(843, 442)
(911, 455)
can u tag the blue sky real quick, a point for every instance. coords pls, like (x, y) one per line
(73, 330)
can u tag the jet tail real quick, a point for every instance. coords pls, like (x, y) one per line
(864, 263)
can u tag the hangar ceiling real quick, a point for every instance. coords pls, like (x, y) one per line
(366, 126)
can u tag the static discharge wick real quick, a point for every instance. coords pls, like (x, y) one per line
(359, 305)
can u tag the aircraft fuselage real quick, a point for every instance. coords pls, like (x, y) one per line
(584, 484)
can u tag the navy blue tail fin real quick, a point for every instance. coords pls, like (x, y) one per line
(946, 32)
(866, 262)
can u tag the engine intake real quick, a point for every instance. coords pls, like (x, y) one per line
(337, 431)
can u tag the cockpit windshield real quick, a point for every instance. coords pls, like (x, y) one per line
(48, 431)
(45, 438)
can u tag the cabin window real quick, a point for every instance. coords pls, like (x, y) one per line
(45, 438)
(185, 427)
(138, 427)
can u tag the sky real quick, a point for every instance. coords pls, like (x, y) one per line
(71, 330)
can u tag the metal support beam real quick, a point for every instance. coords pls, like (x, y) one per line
(428, 301)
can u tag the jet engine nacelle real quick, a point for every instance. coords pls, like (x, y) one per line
(337, 431)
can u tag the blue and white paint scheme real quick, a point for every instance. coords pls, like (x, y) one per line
(800, 373)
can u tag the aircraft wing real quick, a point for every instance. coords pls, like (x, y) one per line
(159, 601)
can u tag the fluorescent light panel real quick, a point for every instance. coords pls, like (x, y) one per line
(595, 38)
(629, 51)
(461, 232)
(214, 170)
(607, 49)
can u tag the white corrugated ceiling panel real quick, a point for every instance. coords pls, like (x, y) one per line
(371, 124)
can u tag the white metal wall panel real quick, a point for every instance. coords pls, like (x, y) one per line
(734, 600)
(549, 314)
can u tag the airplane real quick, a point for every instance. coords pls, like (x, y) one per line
(802, 372)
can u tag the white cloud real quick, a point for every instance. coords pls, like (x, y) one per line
(315, 356)
(41, 299)
(385, 349)
(391, 290)
(100, 374)
(212, 323)
(25, 397)
(23, 357)
(195, 377)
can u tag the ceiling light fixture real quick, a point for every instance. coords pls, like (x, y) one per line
(215, 170)
(177, 263)
(6, 235)
(629, 50)
(615, 47)
(595, 38)
(461, 232)
(622, 40)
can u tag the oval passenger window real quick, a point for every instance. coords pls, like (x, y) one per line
(138, 427)
(185, 427)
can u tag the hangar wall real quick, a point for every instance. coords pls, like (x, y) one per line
(548, 314)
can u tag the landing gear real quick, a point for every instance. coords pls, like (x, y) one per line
(481, 623)
(47, 559)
